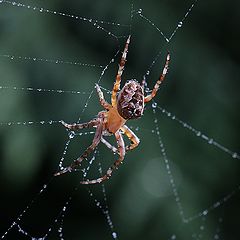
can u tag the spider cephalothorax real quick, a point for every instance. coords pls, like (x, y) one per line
(126, 104)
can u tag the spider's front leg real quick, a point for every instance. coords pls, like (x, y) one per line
(121, 150)
(119, 74)
(159, 81)
(102, 101)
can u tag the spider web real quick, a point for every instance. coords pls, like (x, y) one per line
(180, 183)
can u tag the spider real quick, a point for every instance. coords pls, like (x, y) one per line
(126, 104)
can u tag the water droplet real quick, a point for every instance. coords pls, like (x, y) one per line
(139, 10)
(180, 24)
(210, 141)
(71, 134)
(154, 105)
(148, 72)
(217, 204)
(216, 236)
(205, 212)
(234, 155)
(198, 133)
(114, 235)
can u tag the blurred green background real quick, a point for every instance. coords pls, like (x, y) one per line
(201, 88)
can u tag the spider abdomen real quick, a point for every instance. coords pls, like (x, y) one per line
(130, 103)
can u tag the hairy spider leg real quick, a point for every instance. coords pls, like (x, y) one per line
(77, 126)
(159, 81)
(102, 101)
(121, 150)
(95, 142)
(109, 145)
(119, 74)
(132, 137)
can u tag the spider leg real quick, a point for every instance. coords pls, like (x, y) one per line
(121, 150)
(77, 126)
(159, 81)
(110, 146)
(103, 102)
(132, 136)
(95, 142)
(119, 74)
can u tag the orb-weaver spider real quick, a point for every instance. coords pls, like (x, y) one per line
(126, 104)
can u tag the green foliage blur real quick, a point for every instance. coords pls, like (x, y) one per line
(201, 89)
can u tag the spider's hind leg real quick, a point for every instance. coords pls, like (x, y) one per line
(109, 145)
(121, 150)
(131, 136)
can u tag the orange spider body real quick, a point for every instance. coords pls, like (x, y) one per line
(126, 104)
(114, 121)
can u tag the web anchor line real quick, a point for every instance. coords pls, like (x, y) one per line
(41, 90)
(44, 10)
(214, 205)
(167, 165)
(95, 23)
(45, 60)
(139, 12)
(198, 133)
(43, 122)
(20, 216)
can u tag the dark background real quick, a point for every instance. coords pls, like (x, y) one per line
(201, 88)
